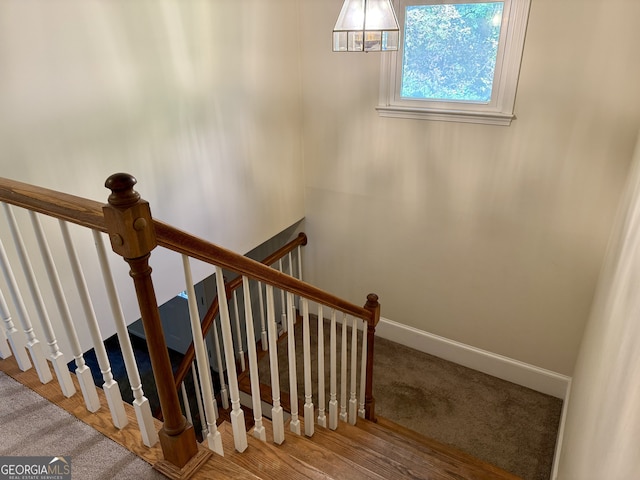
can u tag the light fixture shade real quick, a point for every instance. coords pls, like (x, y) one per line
(366, 26)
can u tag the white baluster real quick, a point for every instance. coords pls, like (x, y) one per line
(16, 340)
(185, 402)
(363, 370)
(243, 365)
(196, 385)
(322, 419)
(5, 351)
(33, 344)
(299, 249)
(140, 402)
(263, 327)
(308, 393)
(294, 423)
(214, 440)
(258, 429)
(343, 371)
(292, 273)
(57, 357)
(333, 402)
(224, 394)
(353, 401)
(277, 416)
(283, 316)
(83, 372)
(237, 415)
(110, 386)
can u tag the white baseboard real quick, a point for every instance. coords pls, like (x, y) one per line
(515, 371)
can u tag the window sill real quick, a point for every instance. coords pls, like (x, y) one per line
(487, 118)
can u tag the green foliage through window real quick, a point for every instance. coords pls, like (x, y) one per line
(450, 51)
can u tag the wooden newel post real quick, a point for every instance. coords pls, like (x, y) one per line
(130, 228)
(370, 402)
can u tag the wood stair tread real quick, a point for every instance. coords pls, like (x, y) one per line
(387, 459)
(415, 443)
(265, 459)
(223, 468)
(335, 464)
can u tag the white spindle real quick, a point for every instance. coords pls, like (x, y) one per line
(299, 249)
(198, 394)
(283, 316)
(236, 313)
(57, 357)
(290, 257)
(83, 372)
(110, 386)
(140, 402)
(343, 371)
(258, 429)
(263, 326)
(237, 415)
(33, 344)
(353, 401)
(294, 423)
(214, 440)
(291, 273)
(224, 393)
(322, 418)
(5, 351)
(185, 402)
(333, 402)
(277, 416)
(16, 340)
(363, 370)
(306, 343)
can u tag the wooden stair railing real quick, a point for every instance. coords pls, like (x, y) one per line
(212, 312)
(133, 235)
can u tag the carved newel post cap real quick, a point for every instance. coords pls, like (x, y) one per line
(372, 300)
(128, 218)
(122, 192)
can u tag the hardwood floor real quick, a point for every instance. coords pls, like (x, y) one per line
(369, 450)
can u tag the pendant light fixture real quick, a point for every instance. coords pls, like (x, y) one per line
(366, 26)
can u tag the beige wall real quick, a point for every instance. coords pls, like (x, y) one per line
(491, 236)
(603, 419)
(199, 100)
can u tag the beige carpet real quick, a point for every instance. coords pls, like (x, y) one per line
(507, 425)
(32, 426)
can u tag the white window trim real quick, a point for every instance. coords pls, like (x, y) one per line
(500, 111)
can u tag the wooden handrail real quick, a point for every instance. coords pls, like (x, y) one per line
(194, 247)
(78, 210)
(207, 321)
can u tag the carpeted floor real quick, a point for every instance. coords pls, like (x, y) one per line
(499, 422)
(32, 426)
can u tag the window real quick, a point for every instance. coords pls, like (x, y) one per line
(458, 60)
